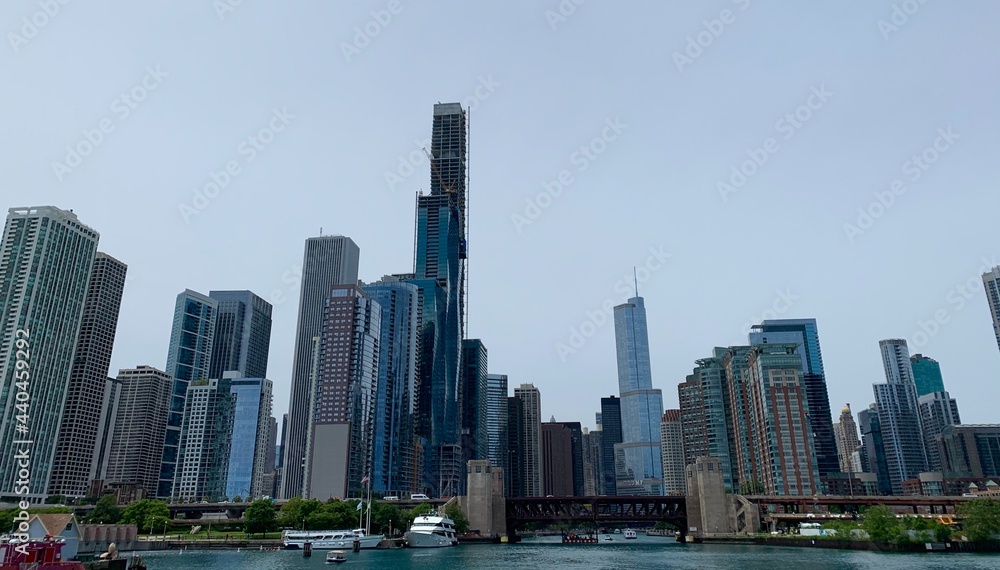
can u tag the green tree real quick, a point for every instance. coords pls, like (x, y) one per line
(942, 533)
(105, 512)
(55, 500)
(751, 487)
(842, 527)
(297, 510)
(155, 523)
(237, 499)
(418, 511)
(139, 512)
(881, 524)
(7, 520)
(980, 518)
(454, 512)
(260, 517)
(382, 513)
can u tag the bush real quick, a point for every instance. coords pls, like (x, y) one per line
(882, 525)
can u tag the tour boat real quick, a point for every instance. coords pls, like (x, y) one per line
(336, 556)
(36, 554)
(431, 531)
(571, 538)
(329, 539)
(630, 534)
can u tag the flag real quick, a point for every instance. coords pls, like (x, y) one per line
(359, 506)
(365, 480)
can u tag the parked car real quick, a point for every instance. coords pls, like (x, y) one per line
(419, 497)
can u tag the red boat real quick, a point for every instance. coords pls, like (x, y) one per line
(45, 554)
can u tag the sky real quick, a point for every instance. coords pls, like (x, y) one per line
(741, 160)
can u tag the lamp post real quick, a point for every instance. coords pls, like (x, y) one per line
(165, 530)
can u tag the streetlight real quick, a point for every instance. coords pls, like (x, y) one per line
(165, 521)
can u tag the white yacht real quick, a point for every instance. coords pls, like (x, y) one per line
(329, 539)
(630, 534)
(431, 531)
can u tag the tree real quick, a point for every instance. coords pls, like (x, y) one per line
(260, 517)
(55, 500)
(881, 524)
(454, 512)
(980, 518)
(237, 499)
(139, 512)
(105, 512)
(7, 520)
(155, 523)
(382, 513)
(751, 487)
(297, 510)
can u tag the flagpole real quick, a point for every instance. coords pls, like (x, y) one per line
(368, 523)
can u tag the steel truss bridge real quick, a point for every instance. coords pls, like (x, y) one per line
(597, 510)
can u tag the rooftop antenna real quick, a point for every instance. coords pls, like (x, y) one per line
(635, 276)
(321, 231)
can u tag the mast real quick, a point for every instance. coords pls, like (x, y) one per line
(368, 523)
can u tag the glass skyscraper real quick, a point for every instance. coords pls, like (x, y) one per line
(991, 282)
(899, 416)
(641, 405)
(46, 259)
(242, 334)
(188, 360)
(475, 439)
(251, 454)
(496, 420)
(611, 435)
(926, 375)
(393, 460)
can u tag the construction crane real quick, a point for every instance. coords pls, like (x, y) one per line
(447, 189)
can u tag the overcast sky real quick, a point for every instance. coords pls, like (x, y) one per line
(829, 101)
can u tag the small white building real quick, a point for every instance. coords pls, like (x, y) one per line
(62, 526)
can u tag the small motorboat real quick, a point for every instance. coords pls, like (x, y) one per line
(608, 538)
(336, 557)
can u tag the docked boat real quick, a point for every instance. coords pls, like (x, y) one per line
(630, 534)
(431, 531)
(336, 557)
(572, 538)
(36, 554)
(329, 539)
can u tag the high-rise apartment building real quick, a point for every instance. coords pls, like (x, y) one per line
(189, 360)
(46, 260)
(136, 450)
(593, 463)
(242, 335)
(672, 451)
(328, 261)
(205, 442)
(531, 438)
(81, 436)
(339, 451)
(251, 454)
(641, 405)
(926, 374)
(441, 258)
(873, 458)
(805, 333)
(557, 459)
(991, 282)
(706, 417)
(784, 452)
(611, 435)
(496, 420)
(899, 416)
(692, 411)
(970, 451)
(515, 477)
(395, 401)
(734, 361)
(473, 401)
(847, 440)
(937, 410)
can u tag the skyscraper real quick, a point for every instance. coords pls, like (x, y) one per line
(46, 259)
(242, 335)
(873, 460)
(328, 261)
(496, 420)
(515, 448)
(641, 405)
(694, 432)
(784, 451)
(531, 438)
(475, 439)
(188, 360)
(205, 442)
(937, 410)
(339, 452)
(593, 462)
(672, 446)
(136, 450)
(740, 408)
(991, 282)
(611, 435)
(805, 333)
(557, 459)
(926, 374)
(251, 454)
(398, 363)
(81, 437)
(847, 440)
(899, 416)
(441, 256)
(705, 415)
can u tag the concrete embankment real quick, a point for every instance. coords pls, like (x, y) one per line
(811, 542)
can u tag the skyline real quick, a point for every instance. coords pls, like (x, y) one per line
(890, 95)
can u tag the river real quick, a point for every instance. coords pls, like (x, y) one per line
(548, 554)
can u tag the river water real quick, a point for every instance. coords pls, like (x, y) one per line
(548, 554)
